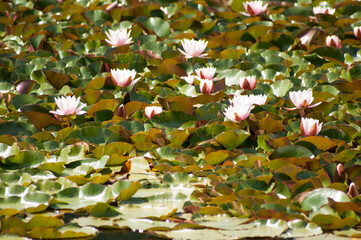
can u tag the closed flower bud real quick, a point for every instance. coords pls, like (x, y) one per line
(206, 86)
(248, 82)
(151, 111)
(333, 41)
(310, 127)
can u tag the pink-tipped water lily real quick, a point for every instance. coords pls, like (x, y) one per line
(302, 99)
(254, 8)
(333, 41)
(323, 10)
(237, 113)
(124, 77)
(193, 48)
(151, 111)
(205, 73)
(357, 32)
(206, 86)
(248, 82)
(118, 37)
(68, 106)
(310, 126)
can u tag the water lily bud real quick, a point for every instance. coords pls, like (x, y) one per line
(248, 82)
(353, 190)
(310, 126)
(333, 41)
(206, 86)
(151, 111)
(357, 32)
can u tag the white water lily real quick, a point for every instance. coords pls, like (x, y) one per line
(302, 99)
(193, 48)
(68, 106)
(251, 99)
(237, 113)
(118, 38)
(323, 10)
(124, 77)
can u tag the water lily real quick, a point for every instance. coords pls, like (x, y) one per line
(254, 8)
(118, 37)
(302, 99)
(68, 106)
(206, 86)
(357, 32)
(193, 48)
(353, 190)
(310, 126)
(239, 112)
(333, 41)
(189, 79)
(164, 10)
(323, 10)
(151, 111)
(205, 73)
(248, 82)
(124, 77)
(251, 99)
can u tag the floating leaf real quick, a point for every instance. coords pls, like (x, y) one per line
(318, 197)
(39, 116)
(215, 158)
(56, 79)
(231, 139)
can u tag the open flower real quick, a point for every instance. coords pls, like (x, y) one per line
(205, 73)
(237, 113)
(357, 32)
(251, 99)
(323, 10)
(189, 79)
(124, 77)
(193, 48)
(302, 99)
(310, 126)
(206, 86)
(248, 82)
(254, 8)
(151, 111)
(119, 37)
(68, 106)
(333, 41)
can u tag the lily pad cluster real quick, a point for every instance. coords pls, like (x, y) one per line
(157, 155)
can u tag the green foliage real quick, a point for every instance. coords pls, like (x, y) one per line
(186, 171)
